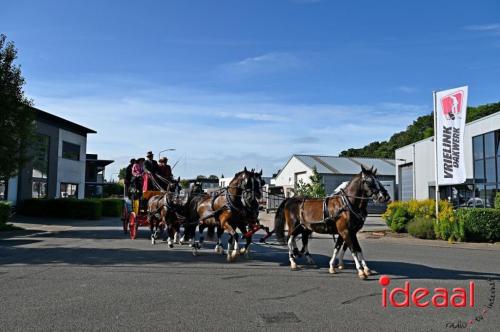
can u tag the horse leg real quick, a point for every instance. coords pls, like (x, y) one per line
(218, 247)
(349, 239)
(342, 251)
(336, 246)
(292, 248)
(236, 250)
(201, 239)
(305, 247)
(248, 241)
(357, 247)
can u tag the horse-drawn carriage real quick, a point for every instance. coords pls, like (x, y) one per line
(134, 211)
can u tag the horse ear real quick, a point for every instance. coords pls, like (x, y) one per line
(371, 169)
(260, 172)
(375, 172)
(245, 169)
(363, 169)
(179, 179)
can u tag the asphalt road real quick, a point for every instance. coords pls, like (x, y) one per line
(89, 276)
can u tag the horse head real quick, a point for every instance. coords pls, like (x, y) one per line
(372, 186)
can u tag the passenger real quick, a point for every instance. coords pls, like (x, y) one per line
(165, 172)
(128, 176)
(151, 168)
(137, 173)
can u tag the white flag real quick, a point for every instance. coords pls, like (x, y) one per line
(451, 109)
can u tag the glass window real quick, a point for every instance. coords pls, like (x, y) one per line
(69, 190)
(3, 190)
(71, 151)
(41, 157)
(479, 171)
(39, 188)
(477, 147)
(497, 133)
(489, 145)
(490, 170)
(490, 193)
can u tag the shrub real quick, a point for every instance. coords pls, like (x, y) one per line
(399, 214)
(4, 212)
(422, 228)
(497, 200)
(111, 207)
(479, 224)
(62, 208)
(113, 189)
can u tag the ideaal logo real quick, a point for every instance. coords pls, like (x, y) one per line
(423, 297)
(452, 105)
(439, 298)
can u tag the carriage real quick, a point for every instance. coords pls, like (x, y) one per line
(134, 211)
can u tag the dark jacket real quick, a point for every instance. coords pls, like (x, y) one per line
(151, 166)
(128, 173)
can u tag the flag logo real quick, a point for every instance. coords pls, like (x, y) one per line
(452, 105)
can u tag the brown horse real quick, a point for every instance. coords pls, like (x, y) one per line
(163, 212)
(233, 207)
(343, 214)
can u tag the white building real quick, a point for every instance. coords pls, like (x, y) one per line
(334, 171)
(415, 166)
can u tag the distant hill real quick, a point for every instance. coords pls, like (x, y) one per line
(421, 128)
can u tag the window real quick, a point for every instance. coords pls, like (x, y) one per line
(71, 151)
(3, 190)
(477, 143)
(489, 145)
(486, 151)
(40, 169)
(69, 190)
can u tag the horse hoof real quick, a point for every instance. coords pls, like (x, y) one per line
(367, 272)
(195, 252)
(242, 251)
(341, 267)
(361, 275)
(294, 267)
(235, 254)
(332, 270)
(171, 245)
(229, 259)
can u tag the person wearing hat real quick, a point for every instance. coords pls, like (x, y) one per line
(165, 171)
(151, 167)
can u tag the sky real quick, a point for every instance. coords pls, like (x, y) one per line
(240, 83)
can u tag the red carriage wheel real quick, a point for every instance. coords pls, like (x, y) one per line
(133, 225)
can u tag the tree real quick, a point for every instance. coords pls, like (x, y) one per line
(121, 173)
(184, 183)
(213, 177)
(314, 189)
(16, 115)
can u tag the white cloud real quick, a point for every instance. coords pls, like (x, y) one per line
(405, 89)
(491, 27)
(262, 64)
(215, 132)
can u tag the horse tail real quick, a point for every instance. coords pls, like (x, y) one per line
(279, 222)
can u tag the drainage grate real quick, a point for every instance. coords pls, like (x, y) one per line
(280, 318)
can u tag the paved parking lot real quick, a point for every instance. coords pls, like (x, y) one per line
(87, 275)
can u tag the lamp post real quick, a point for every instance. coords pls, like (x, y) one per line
(159, 153)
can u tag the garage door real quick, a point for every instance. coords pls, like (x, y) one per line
(406, 180)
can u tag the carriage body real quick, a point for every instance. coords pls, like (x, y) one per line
(134, 211)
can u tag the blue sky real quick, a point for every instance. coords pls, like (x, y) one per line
(235, 83)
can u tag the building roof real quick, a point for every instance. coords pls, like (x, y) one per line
(346, 165)
(63, 123)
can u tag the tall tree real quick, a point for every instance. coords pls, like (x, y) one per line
(16, 115)
(314, 189)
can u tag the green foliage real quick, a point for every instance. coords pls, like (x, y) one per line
(184, 183)
(62, 208)
(479, 224)
(497, 200)
(121, 173)
(4, 212)
(16, 115)
(113, 189)
(111, 207)
(422, 228)
(213, 177)
(399, 214)
(314, 189)
(422, 127)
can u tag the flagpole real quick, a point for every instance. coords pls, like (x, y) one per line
(436, 185)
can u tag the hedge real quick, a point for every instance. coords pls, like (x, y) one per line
(4, 212)
(399, 214)
(112, 207)
(478, 224)
(62, 208)
(497, 201)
